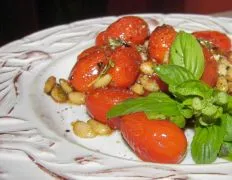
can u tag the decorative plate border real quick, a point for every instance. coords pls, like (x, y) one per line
(29, 150)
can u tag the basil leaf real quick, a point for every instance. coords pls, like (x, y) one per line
(227, 123)
(229, 105)
(187, 52)
(154, 104)
(206, 143)
(226, 151)
(192, 88)
(179, 121)
(173, 74)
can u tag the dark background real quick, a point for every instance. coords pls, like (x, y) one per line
(22, 17)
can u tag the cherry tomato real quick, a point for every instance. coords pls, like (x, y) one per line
(158, 141)
(160, 42)
(114, 123)
(218, 39)
(101, 39)
(126, 66)
(130, 29)
(210, 74)
(87, 68)
(99, 101)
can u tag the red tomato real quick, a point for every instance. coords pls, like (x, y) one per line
(114, 123)
(130, 29)
(126, 66)
(87, 68)
(210, 74)
(99, 101)
(160, 42)
(158, 141)
(220, 40)
(101, 39)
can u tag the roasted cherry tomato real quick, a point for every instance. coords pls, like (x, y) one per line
(131, 29)
(158, 141)
(87, 68)
(210, 74)
(102, 39)
(126, 66)
(99, 101)
(160, 42)
(218, 39)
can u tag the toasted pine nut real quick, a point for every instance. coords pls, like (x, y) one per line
(230, 87)
(138, 89)
(99, 128)
(151, 86)
(76, 98)
(229, 74)
(49, 84)
(222, 84)
(225, 61)
(222, 69)
(146, 43)
(83, 130)
(65, 85)
(229, 56)
(58, 94)
(147, 67)
(148, 84)
(143, 56)
(102, 81)
(166, 57)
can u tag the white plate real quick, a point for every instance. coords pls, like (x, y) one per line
(34, 138)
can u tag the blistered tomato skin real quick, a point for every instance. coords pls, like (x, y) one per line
(210, 74)
(99, 101)
(160, 42)
(101, 39)
(218, 39)
(126, 67)
(87, 68)
(131, 29)
(159, 141)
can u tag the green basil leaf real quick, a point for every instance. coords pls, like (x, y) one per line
(227, 123)
(226, 151)
(229, 105)
(153, 104)
(192, 88)
(179, 121)
(187, 52)
(206, 143)
(173, 74)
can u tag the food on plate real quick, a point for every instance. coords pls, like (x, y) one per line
(154, 140)
(99, 101)
(88, 67)
(160, 42)
(129, 29)
(90, 129)
(49, 84)
(63, 92)
(210, 75)
(151, 87)
(215, 38)
(126, 61)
